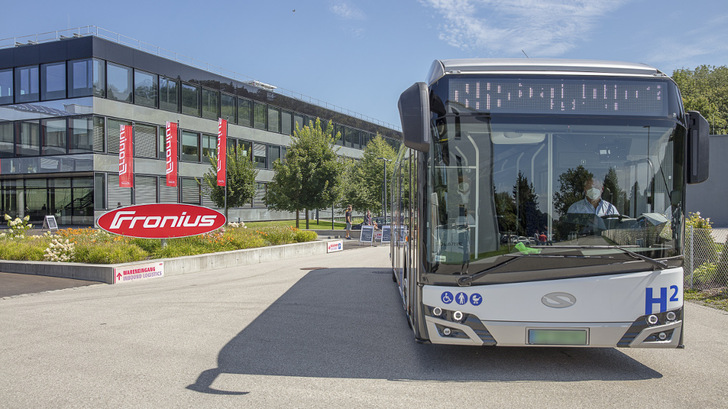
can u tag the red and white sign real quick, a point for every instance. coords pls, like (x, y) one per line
(138, 272)
(333, 246)
(161, 220)
(126, 157)
(221, 151)
(171, 153)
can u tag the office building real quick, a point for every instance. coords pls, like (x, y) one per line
(65, 95)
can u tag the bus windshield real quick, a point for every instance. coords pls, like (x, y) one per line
(578, 191)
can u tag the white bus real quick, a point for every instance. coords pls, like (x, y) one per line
(541, 203)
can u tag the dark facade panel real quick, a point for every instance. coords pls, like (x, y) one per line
(70, 49)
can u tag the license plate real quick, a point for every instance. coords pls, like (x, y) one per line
(557, 337)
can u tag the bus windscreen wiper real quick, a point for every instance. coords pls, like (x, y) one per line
(468, 279)
(654, 262)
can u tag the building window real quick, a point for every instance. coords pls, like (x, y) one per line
(145, 141)
(260, 155)
(113, 130)
(210, 104)
(259, 115)
(53, 81)
(7, 140)
(274, 154)
(286, 123)
(80, 78)
(145, 89)
(245, 112)
(6, 86)
(209, 146)
(168, 91)
(190, 100)
(26, 84)
(99, 134)
(274, 119)
(118, 82)
(245, 148)
(82, 132)
(99, 78)
(28, 138)
(190, 191)
(190, 147)
(167, 194)
(99, 191)
(145, 189)
(54, 137)
(227, 108)
(298, 121)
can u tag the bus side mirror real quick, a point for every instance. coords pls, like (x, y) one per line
(698, 148)
(414, 112)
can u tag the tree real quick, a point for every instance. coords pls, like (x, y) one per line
(366, 177)
(241, 174)
(310, 176)
(705, 89)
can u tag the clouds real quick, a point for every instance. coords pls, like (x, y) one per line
(347, 11)
(505, 27)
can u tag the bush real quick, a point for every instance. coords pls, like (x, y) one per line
(30, 249)
(109, 253)
(706, 274)
(305, 235)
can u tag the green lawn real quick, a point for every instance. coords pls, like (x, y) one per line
(323, 225)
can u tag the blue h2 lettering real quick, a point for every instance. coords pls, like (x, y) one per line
(650, 300)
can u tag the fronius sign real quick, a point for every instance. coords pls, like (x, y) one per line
(161, 220)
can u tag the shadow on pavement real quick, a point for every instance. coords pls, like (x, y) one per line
(349, 323)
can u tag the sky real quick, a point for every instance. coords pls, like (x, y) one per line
(360, 55)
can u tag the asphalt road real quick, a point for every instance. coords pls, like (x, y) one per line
(323, 331)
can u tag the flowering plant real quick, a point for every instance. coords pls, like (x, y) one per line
(17, 227)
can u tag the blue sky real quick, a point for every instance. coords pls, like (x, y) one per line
(360, 55)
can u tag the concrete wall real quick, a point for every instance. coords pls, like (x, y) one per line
(710, 198)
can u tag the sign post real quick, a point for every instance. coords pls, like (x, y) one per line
(49, 222)
(367, 234)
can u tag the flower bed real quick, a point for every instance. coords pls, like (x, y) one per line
(88, 245)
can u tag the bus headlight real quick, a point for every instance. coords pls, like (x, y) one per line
(652, 319)
(437, 311)
(458, 315)
(671, 316)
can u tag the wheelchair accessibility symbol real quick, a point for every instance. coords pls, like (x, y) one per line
(446, 297)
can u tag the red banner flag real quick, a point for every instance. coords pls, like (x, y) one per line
(171, 153)
(126, 156)
(221, 151)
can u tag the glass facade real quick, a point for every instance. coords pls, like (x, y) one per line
(26, 84)
(145, 89)
(210, 104)
(6, 86)
(190, 100)
(168, 94)
(118, 82)
(53, 81)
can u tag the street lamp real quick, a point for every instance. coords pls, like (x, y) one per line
(384, 193)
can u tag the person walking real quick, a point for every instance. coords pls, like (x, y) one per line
(347, 217)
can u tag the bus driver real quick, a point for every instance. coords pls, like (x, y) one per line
(593, 202)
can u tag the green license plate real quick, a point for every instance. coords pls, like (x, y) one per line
(557, 337)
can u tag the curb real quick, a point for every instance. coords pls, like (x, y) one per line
(172, 266)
